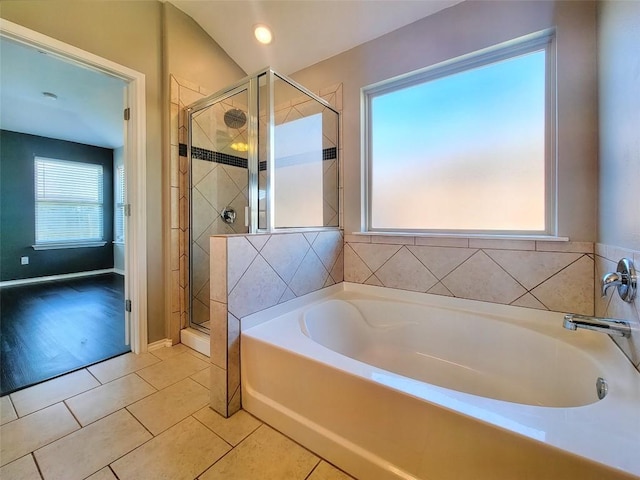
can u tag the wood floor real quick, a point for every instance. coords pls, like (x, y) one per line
(51, 328)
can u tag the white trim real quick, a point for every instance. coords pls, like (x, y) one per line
(135, 164)
(165, 342)
(480, 236)
(196, 340)
(118, 271)
(62, 276)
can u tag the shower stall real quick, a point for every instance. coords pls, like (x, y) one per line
(263, 157)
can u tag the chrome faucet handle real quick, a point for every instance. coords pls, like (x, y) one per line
(624, 278)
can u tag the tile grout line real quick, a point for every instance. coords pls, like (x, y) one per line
(210, 429)
(35, 461)
(313, 469)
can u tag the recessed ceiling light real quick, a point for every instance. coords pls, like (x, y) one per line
(263, 34)
(50, 96)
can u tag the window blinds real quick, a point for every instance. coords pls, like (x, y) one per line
(69, 201)
(119, 212)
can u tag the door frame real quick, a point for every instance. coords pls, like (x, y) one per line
(135, 162)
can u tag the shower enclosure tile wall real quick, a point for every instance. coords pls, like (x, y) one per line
(182, 93)
(207, 173)
(254, 272)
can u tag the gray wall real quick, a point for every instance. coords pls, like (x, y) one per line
(619, 78)
(17, 208)
(464, 28)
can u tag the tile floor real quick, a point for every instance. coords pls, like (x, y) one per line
(142, 417)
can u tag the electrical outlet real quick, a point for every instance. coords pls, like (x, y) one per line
(24, 260)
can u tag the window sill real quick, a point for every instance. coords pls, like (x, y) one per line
(58, 246)
(479, 236)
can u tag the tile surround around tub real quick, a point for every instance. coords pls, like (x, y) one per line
(544, 275)
(606, 259)
(254, 272)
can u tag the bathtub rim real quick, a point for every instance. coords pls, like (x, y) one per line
(621, 401)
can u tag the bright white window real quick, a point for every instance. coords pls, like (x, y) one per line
(120, 205)
(466, 146)
(69, 203)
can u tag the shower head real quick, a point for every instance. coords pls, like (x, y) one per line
(235, 118)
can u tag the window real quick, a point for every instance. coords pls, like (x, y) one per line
(465, 146)
(120, 205)
(69, 203)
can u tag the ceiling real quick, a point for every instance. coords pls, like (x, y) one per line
(305, 32)
(89, 105)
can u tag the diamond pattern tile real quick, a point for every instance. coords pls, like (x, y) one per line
(260, 287)
(374, 255)
(241, 252)
(406, 272)
(441, 260)
(570, 290)
(480, 278)
(310, 276)
(328, 245)
(285, 253)
(532, 268)
(355, 270)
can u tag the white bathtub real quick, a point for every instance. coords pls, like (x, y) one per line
(389, 384)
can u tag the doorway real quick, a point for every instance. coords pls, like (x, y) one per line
(134, 169)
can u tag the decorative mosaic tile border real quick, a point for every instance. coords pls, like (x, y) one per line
(330, 153)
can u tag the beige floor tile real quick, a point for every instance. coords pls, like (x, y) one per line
(39, 396)
(264, 455)
(102, 401)
(326, 471)
(233, 429)
(199, 355)
(167, 407)
(167, 352)
(22, 469)
(121, 366)
(104, 474)
(180, 453)
(172, 370)
(22, 436)
(203, 377)
(86, 451)
(7, 412)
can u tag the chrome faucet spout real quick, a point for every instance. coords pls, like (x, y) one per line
(611, 326)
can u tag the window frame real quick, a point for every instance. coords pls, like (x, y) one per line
(72, 243)
(543, 40)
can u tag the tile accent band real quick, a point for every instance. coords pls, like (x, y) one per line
(330, 153)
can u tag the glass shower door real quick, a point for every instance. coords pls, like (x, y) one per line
(219, 147)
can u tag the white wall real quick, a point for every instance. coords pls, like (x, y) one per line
(619, 108)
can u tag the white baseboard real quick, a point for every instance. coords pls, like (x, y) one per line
(64, 276)
(165, 342)
(197, 340)
(118, 271)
